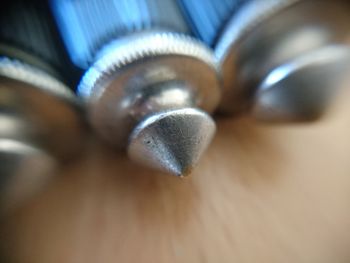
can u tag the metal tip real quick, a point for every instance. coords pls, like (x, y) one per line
(24, 172)
(303, 89)
(172, 141)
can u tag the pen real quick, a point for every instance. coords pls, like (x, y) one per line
(41, 121)
(148, 86)
(282, 60)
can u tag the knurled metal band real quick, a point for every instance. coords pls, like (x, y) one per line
(133, 48)
(14, 69)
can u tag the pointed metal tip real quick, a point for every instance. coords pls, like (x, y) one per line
(172, 141)
(303, 89)
(25, 170)
(287, 104)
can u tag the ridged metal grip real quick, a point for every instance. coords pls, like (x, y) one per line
(147, 65)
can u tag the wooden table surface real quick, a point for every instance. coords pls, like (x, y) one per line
(261, 193)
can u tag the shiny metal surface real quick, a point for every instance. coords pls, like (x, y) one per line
(25, 169)
(41, 121)
(305, 88)
(40, 125)
(172, 141)
(50, 109)
(140, 76)
(139, 63)
(258, 46)
(237, 96)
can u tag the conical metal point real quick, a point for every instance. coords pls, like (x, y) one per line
(172, 141)
(25, 170)
(302, 89)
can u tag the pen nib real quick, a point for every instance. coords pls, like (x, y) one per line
(172, 141)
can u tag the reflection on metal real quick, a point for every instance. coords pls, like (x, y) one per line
(268, 42)
(304, 87)
(140, 68)
(172, 141)
(24, 171)
(40, 118)
(39, 125)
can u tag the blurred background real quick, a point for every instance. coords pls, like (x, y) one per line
(272, 186)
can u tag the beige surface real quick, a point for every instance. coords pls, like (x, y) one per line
(260, 194)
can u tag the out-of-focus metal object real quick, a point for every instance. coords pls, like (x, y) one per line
(283, 60)
(148, 86)
(41, 121)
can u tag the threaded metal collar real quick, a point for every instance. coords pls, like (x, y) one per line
(17, 70)
(137, 47)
